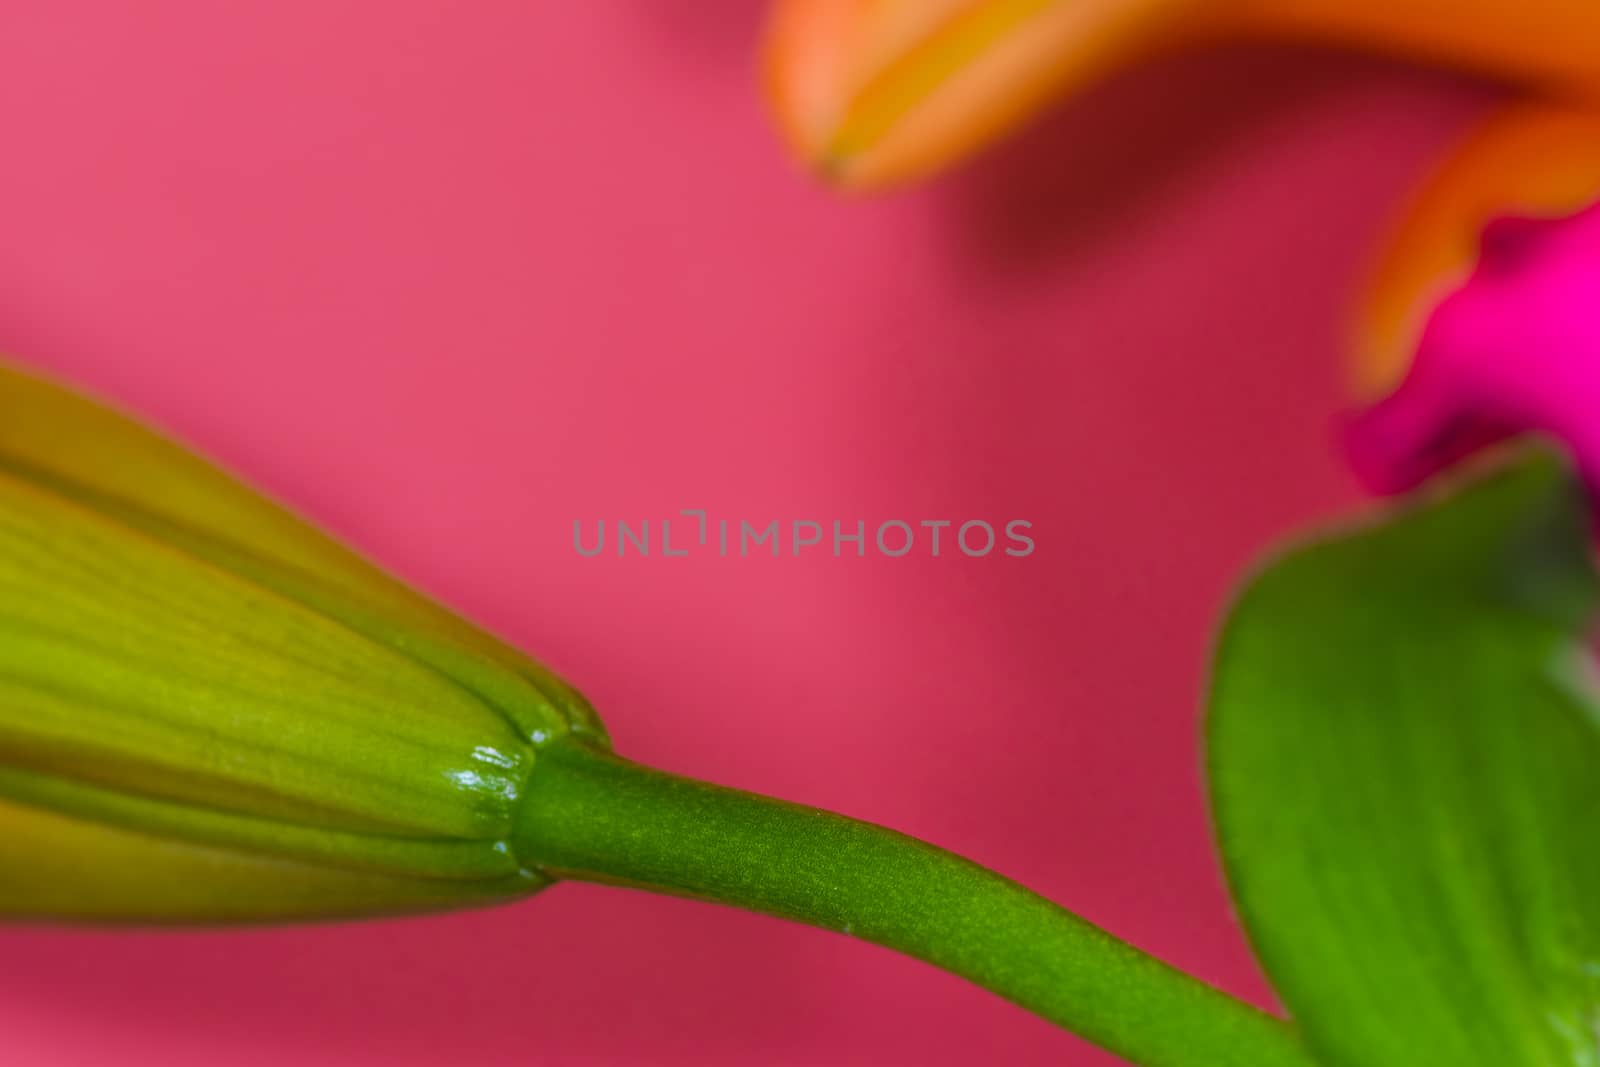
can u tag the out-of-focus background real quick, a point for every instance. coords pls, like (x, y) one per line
(449, 276)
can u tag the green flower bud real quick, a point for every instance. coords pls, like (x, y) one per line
(210, 711)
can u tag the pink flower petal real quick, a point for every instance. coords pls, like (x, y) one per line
(1515, 349)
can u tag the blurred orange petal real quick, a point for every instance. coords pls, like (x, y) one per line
(876, 92)
(1552, 45)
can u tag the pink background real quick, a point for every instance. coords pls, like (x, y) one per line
(449, 276)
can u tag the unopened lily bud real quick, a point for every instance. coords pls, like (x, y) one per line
(210, 711)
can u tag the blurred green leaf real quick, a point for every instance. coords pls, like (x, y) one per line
(1405, 776)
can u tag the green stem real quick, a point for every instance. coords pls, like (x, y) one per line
(592, 816)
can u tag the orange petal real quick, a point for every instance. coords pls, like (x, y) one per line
(1544, 44)
(875, 92)
(1538, 160)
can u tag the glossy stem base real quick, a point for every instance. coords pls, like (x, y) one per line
(595, 817)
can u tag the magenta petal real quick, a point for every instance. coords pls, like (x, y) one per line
(1515, 349)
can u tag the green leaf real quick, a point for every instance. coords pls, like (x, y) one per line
(1405, 776)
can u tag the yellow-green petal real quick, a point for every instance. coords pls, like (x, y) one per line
(184, 661)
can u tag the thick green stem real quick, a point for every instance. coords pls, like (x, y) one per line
(592, 816)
